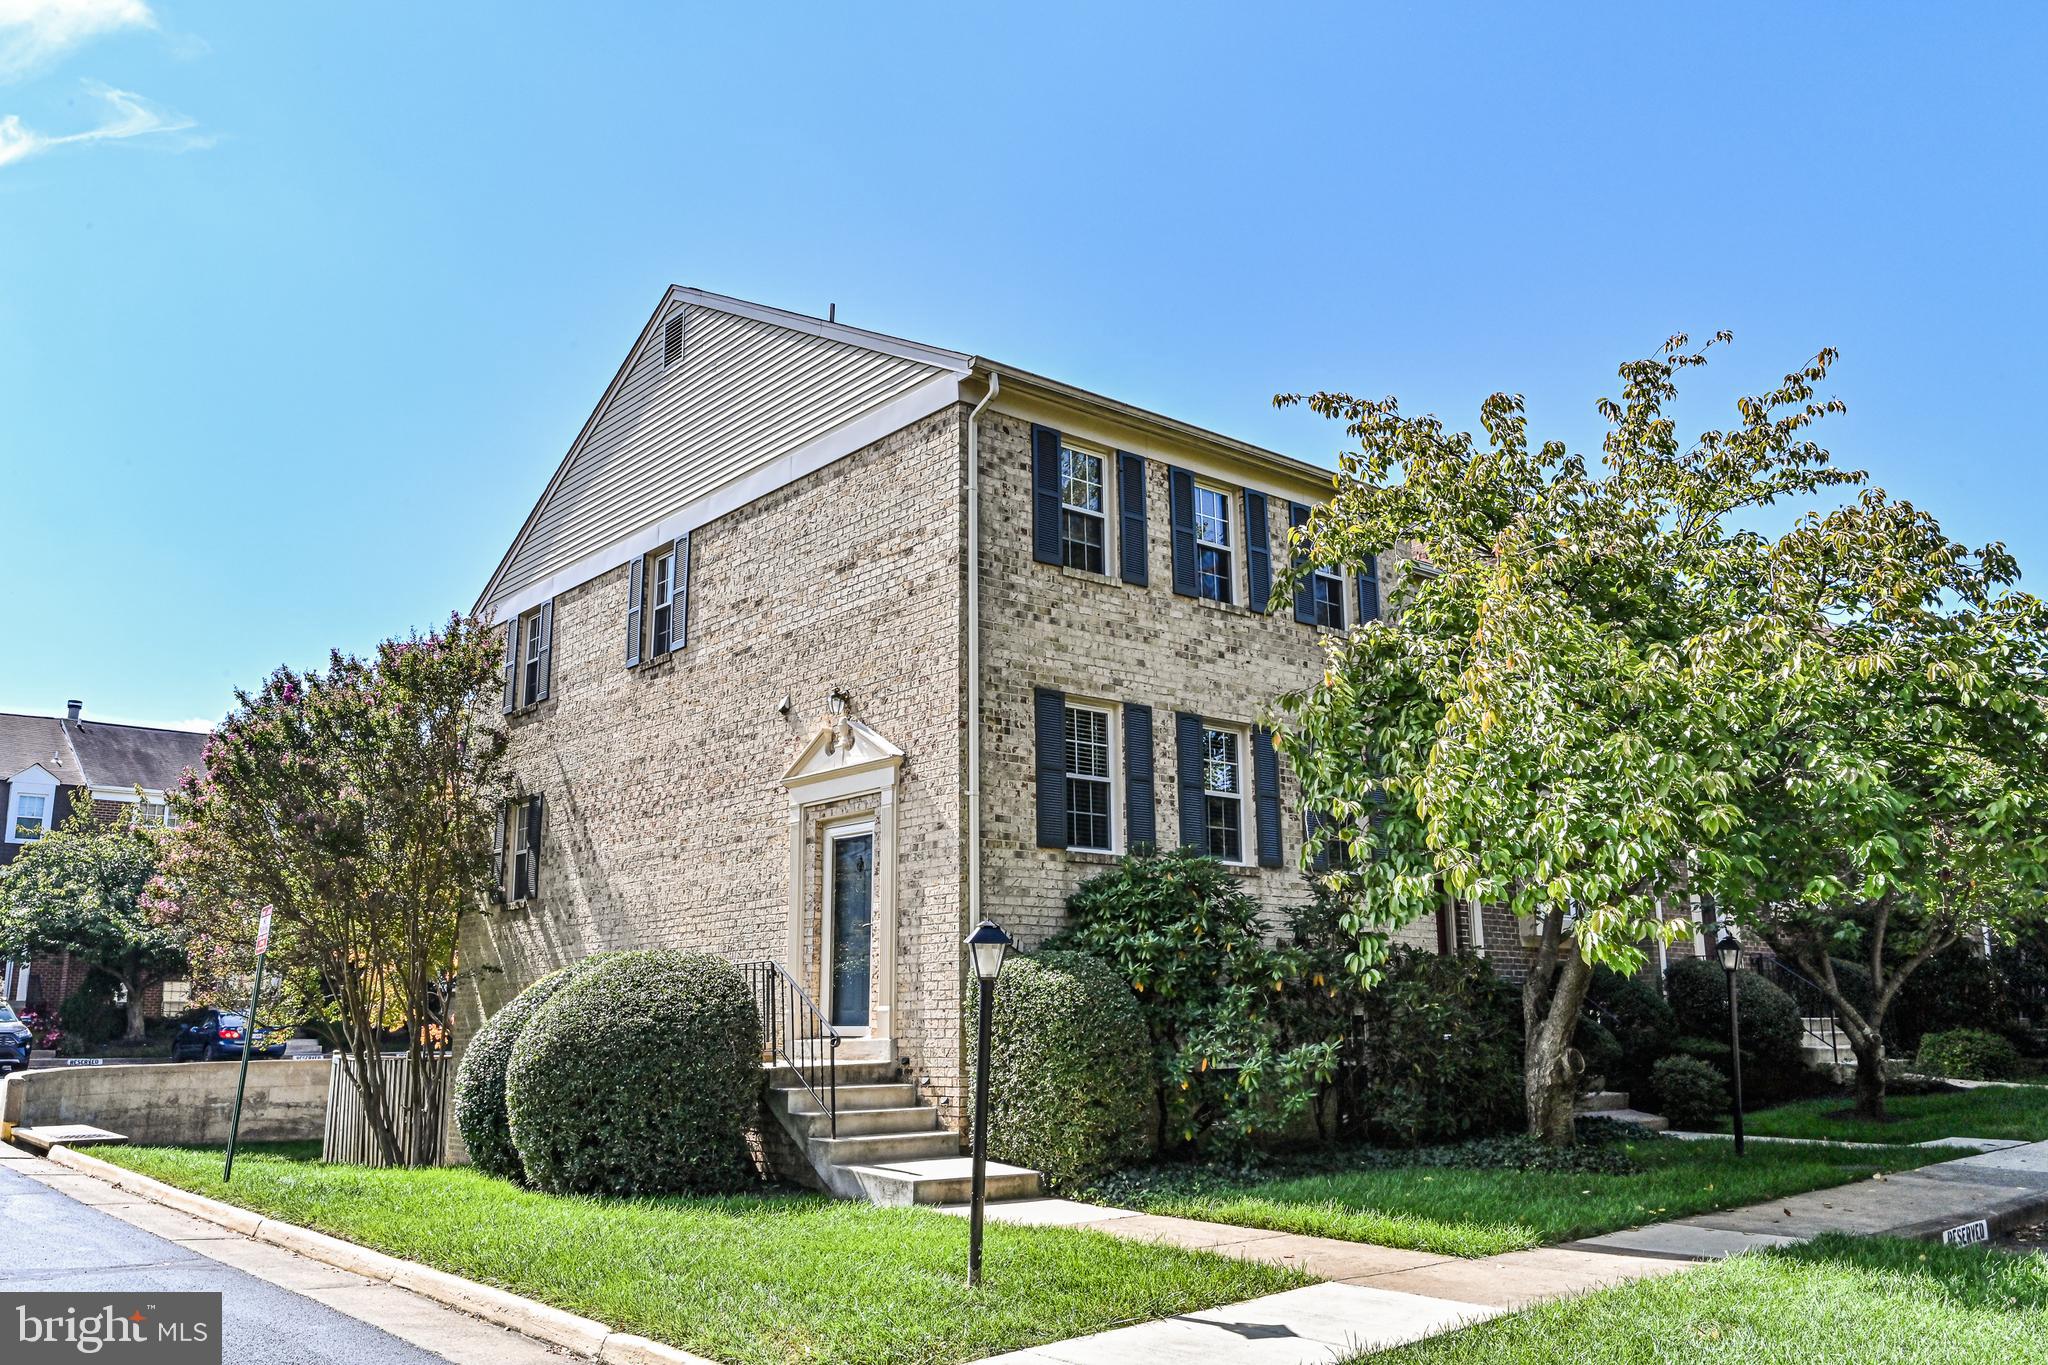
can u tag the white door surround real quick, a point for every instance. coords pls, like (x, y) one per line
(845, 760)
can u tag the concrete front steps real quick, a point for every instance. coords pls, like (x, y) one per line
(890, 1147)
(1613, 1104)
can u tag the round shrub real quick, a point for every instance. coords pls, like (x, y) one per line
(1441, 1053)
(1601, 1052)
(1969, 1054)
(639, 1077)
(1772, 1065)
(1691, 1093)
(480, 1080)
(1071, 1083)
(1635, 1012)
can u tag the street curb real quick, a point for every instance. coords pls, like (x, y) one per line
(1999, 1218)
(553, 1326)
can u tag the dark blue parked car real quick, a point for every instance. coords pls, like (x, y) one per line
(15, 1041)
(216, 1036)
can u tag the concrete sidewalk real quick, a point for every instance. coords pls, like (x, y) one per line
(1375, 1297)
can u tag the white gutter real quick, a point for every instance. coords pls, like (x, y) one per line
(995, 386)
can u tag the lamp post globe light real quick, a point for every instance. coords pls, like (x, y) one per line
(1729, 950)
(987, 946)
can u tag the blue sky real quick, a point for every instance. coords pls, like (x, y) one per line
(301, 304)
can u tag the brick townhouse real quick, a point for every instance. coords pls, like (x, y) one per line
(49, 764)
(823, 645)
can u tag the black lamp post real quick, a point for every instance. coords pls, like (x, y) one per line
(986, 946)
(1729, 949)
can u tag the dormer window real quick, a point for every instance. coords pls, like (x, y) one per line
(31, 817)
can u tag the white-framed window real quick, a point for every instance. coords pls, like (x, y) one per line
(1091, 778)
(31, 817)
(661, 596)
(529, 682)
(1212, 543)
(1326, 591)
(1084, 520)
(155, 814)
(1223, 791)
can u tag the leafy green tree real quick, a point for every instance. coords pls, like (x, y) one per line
(80, 890)
(357, 803)
(1899, 794)
(1556, 716)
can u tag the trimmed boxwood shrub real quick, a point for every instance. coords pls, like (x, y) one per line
(639, 1077)
(1691, 1093)
(1772, 1067)
(1641, 1022)
(480, 1080)
(1071, 1083)
(1440, 1052)
(1969, 1054)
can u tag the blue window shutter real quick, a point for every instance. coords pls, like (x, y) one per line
(1140, 816)
(498, 842)
(1045, 498)
(1266, 795)
(1304, 591)
(1181, 514)
(547, 648)
(1311, 825)
(679, 609)
(1194, 808)
(1052, 766)
(636, 583)
(1133, 544)
(1258, 551)
(533, 828)
(1369, 590)
(511, 665)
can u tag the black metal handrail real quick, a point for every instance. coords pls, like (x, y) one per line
(790, 1020)
(1812, 1000)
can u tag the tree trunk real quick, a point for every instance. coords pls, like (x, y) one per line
(1550, 1066)
(134, 1008)
(1870, 1079)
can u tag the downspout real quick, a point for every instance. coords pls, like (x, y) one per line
(995, 386)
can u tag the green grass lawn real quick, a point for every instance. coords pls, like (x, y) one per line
(1835, 1299)
(1481, 1212)
(1993, 1111)
(761, 1278)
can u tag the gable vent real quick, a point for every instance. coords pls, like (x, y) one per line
(672, 340)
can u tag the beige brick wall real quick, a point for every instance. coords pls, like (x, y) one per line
(666, 824)
(1096, 637)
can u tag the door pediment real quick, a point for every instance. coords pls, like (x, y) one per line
(843, 747)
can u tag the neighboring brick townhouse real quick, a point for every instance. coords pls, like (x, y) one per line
(822, 645)
(48, 764)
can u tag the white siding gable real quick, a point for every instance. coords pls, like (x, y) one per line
(757, 397)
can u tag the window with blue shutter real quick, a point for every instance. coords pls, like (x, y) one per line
(1133, 541)
(1050, 727)
(1258, 551)
(547, 651)
(1140, 814)
(1266, 795)
(1187, 753)
(498, 851)
(1180, 509)
(682, 602)
(636, 582)
(1369, 590)
(1304, 587)
(1045, 495)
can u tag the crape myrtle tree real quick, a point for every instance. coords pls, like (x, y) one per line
(1554, 717)
(1900, 800)
(357, 804)
(80, 889)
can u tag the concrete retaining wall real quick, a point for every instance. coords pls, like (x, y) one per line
(188, 1104)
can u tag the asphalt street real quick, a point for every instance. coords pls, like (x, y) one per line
(49, 1241)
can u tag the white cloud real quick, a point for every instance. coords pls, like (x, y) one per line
(34, 33)
(129, 115)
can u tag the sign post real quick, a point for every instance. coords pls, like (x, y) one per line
(248, 1040)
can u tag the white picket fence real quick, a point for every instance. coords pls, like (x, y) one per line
(349, 1138)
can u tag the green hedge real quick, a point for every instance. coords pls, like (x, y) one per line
(1643, 1025)
(1969, 1054)
(638, 1078)
(480, 1080)
(1772, 1065)
(1441, 1051)
(1071, 1079)
(1691, 1093)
